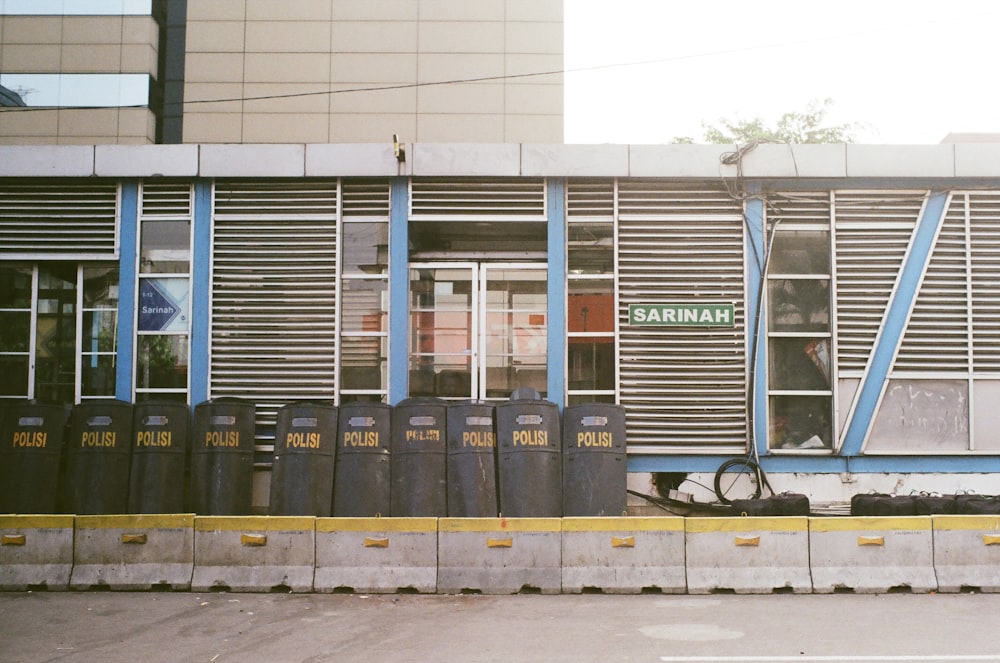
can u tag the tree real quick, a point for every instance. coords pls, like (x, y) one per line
(793, 127)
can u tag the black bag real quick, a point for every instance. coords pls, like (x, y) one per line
(879, 504)
(977, 504)
(927, 505)
(785, 504)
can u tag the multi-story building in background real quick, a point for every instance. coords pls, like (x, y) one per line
(264, 71)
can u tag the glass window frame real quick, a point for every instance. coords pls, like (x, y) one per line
(609, 277)
(140, 393)
(345, 276)
(809, 335)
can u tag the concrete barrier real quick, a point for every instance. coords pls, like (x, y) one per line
(623, 555)
(36, 552)
(967, 553)
(133, 552)
(755, 555)
(254, 553)
(872, 554)
(499, 555)
(373, 555)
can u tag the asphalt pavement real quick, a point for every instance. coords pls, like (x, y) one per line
(149, 627)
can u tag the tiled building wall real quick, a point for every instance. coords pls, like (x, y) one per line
(78, 45)
(251, 54)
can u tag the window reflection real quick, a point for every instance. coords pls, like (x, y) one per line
(76, 7)
(164, 247)
(62, 90)
(366, 248)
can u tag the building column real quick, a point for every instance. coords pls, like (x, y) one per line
(127, 252)
(399, 289)
(201, 290)
(556, 300)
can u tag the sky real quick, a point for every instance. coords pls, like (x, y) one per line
(904, 72)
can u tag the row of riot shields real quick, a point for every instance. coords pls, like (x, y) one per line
(422, 457)
(99, 457)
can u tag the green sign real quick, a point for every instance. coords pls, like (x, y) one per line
(682, 315)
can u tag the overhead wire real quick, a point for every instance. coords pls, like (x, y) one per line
(505, 77)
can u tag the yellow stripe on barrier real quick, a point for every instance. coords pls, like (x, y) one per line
(870, 523)
(36, 522)
(709, 525)
(419, 524)
(254, 523)
(499, 543)
(500, 525)
(616, 524)
(13, 540)
(623, 542)
(748, 541)
(137, 539)
(871, 540)
(253, 539)
(136, 521)
(376, 543)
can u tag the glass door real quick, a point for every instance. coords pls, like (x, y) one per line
(514, 330)
(477, 330)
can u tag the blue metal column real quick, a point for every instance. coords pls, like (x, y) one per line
(399, 289)
(756, 329)
(201, 291)
(127, 252)
(903, 297)
(556, 300)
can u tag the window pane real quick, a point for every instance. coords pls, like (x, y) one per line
(97, 90)
(99, 329)
(14, 376)
(76, 7)
(591, 248)
(800, 252)
(161, 362)
(15, 287)
(100, 287)
(15, 328)
(364, 362)
(583, 399)
(591, 363)
(801, 422)
(364, 305)
(98, 375)
(591, 306)
(799, 363)
(165, 247)
(141, 397)
(365, 248)
(798, 305)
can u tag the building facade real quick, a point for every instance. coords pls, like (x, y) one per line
(830, 310)
(260, 71)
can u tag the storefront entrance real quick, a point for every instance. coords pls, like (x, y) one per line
(477, 329)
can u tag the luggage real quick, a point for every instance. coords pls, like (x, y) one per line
(977, 504)
(879, 504)
(928, 505)
(784, 504)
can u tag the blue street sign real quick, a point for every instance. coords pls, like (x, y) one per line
(157, 309)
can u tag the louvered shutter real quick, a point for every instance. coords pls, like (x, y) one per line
(937, 333)
(64, 220)
(482, 199)
(873, 230)
(274, 309)
(984, 258)
(682, 388)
